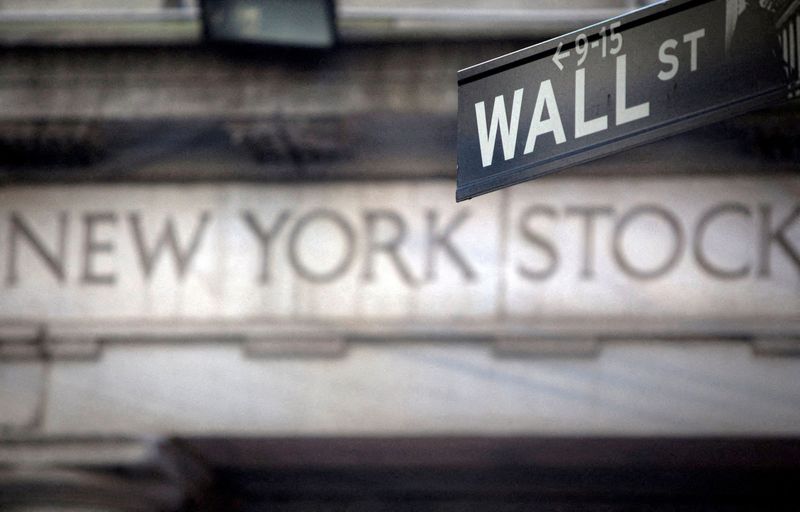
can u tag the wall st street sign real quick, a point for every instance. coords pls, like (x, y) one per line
(614, 85)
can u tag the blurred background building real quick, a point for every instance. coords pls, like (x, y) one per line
(233, 276)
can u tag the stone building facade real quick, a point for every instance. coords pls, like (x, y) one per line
(237, 278)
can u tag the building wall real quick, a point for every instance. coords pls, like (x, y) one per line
(199, 242)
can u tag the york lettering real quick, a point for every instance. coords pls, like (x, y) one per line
(374, 245)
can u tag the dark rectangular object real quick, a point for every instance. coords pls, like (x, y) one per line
(288, 23)
(627, 81)
(505, 474)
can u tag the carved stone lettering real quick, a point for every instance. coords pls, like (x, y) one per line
(559, 248)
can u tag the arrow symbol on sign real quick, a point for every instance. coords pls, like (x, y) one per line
(559, 55)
